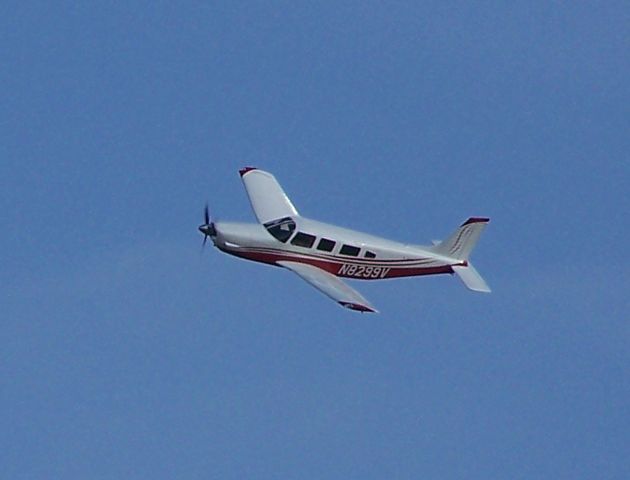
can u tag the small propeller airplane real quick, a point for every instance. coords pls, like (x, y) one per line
(321, 253)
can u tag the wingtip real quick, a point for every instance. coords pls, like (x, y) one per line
(358, 307)
(244, 170)
(476, 220)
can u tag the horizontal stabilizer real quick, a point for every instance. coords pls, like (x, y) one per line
(471, 278)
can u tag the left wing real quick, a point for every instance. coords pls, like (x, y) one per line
(268, 200)
(330, 285)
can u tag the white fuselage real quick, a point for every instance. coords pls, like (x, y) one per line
(339, 251)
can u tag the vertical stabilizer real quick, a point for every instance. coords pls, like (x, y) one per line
(460, 244)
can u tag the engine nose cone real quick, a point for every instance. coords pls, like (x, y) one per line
(207, 229)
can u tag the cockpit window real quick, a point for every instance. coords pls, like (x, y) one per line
(369, 254)
(350, 250)
(303, 240)
(281, 229)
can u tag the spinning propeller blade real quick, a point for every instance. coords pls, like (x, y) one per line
(207, 228)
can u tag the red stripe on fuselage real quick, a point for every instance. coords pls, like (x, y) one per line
(336, 266)
(381, 262)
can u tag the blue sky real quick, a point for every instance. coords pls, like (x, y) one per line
(128, 355)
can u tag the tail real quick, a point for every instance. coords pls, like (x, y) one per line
(459, 245)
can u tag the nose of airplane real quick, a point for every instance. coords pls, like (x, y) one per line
(207, 229)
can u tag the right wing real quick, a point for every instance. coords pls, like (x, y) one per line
(266, 195)
(330, 285)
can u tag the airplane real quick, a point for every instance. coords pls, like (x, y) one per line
(322, 254)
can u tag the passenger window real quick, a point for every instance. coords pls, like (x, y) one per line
(369, 254)
(281, 229)
(303, 240)
(326, 245)
(349, 250)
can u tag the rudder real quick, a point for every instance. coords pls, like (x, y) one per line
(461, 243)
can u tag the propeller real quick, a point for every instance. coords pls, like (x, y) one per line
(207, 228)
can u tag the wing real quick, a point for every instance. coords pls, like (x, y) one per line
(331, 286)
(266, 195)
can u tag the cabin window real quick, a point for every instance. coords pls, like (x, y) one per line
(349, 250)
(369, 254)
(326, 245)
(281, 229)
(303, 240)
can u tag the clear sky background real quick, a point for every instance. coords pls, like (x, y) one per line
(126, 354)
